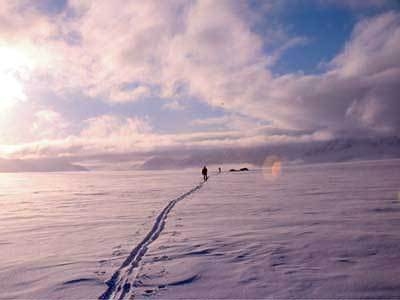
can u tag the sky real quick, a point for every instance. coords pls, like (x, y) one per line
(91, 78)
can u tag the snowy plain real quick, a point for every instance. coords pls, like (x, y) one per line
(62, 235)
(315, 231)
(309, 231)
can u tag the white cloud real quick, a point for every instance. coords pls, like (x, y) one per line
(108, 125)
(232, 122)
(190, 43)
(49, 124)
(374, 47)
(217, 121)
(173, 105)
(111, 134)
(206, 50)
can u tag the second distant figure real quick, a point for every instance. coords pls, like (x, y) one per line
(204, 172)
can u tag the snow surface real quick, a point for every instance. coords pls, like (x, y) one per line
(62, 235)
(312, 231)
(321, 231)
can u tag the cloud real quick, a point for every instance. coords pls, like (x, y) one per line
(218, 121)
(103, 134)
(109, 133)
(129, 51)
(173, 105)
(106, 126)
(49, 124)
(116, 135)
(233, 121)
(373, 48)
(357, 4)
(127, 95)
(367, 68)
(191, 44)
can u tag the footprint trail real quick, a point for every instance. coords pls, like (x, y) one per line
(120, 284)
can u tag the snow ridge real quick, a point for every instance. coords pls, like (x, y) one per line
(121, 283)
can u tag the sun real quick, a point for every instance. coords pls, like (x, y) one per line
(15, 65)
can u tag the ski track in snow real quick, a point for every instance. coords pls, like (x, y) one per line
(121, 284)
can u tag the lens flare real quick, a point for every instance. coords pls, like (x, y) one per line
(272, 167)
(276, 169)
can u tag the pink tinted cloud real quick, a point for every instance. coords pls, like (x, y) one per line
(210, 49)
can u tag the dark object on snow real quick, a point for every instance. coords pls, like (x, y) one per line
(241, 170)
(204, 173)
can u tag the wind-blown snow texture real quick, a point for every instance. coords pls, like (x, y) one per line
(320, 231)
(120, 284)
(62, 235)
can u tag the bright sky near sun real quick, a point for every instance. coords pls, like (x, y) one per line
(94, 77)
(12, 62)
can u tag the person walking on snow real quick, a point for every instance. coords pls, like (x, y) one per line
(204, 172)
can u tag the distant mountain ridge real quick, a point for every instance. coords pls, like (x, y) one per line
(338, 150)
(38, 165)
